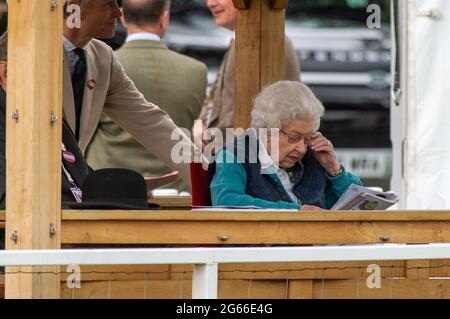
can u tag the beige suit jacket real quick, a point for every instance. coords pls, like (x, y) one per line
(218, 107)
(109, 89)
(173, 81)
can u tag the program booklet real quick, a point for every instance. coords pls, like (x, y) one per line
(235, 208)
(362, 198)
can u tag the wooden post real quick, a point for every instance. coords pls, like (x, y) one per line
(33, 143)
(259, 51)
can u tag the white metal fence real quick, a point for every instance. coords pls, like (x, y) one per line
(206, 260)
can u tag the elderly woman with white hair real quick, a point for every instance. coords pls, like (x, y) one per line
(282, 161)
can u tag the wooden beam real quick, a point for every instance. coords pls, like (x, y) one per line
(265, 216)
(243, 227)
(172, 203)
(440, 268)
(279, 4)
(156, 289)
(33, 145)
(241, 4)
(294, 233)
(121, 272)
(259, 53)
(251, 232)
(390, 289)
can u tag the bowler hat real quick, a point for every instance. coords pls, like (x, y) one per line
(114, 188)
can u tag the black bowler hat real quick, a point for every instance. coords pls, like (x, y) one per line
(114, 188)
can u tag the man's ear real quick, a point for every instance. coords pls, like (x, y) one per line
(122, 19)
(3, 74)
(164, 20)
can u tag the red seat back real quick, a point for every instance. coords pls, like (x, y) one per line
(201, 195)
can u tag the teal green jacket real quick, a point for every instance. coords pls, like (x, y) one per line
(230, 179)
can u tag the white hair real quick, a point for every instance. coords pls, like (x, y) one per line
(283, 102)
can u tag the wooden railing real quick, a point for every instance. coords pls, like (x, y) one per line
(401, 279)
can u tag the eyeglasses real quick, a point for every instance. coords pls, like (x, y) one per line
(296, 139)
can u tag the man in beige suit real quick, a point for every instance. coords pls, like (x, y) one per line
(173, 81)
(218, 107)
(94, 82)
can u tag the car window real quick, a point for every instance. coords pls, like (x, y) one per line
(323, 13)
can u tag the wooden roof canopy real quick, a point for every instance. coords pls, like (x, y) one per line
(34, 112)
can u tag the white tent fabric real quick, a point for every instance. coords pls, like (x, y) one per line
(427, 157)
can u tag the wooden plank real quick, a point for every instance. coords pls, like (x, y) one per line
(170, 215)
(259, 52)
(241, 4)
(33, 199)
(272, 45)
(157, 289)
(121, 273)
(261, 232)
(129, 289)
(254, 216)
(134, 287)
(327, 270)
(390, 289)
(272, 289)
(173, 202)
(252, 289)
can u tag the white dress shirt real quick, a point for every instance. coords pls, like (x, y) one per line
(142, 36)
(268, 166)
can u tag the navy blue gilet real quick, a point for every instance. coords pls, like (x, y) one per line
(308, 174)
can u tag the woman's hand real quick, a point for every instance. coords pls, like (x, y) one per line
(323, 151)
(310, 207)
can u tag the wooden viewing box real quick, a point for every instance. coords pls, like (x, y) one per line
(401, 279)
(34, 220)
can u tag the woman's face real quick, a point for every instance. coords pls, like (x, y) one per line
(293, 141)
